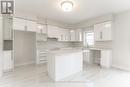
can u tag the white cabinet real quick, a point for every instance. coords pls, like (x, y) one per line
(64, 35)
(88, 56)
(79, 35)
(72, 35)
(41, 29)
(19, 24)
(76, 35)
(103, 31)
(7, 61)
(53, 32)
(7, 27)
(1, 46)
(24, 25)
(31, 26)
(41, 56)
(106, 58)
(41, 33)
(60, 33)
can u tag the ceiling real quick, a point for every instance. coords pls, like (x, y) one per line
(83, 9)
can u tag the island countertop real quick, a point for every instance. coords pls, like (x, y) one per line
(65, 51)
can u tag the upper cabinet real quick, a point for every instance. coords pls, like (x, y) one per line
(24, 25)
(79, 35)
(64, 35)
(103, 31)
(31, 26)
(60, 33)
(72, 35)
(76, 35)
(19, 24)
(41, 32)
(41, 29)
(53, 32)
(7, 28)
(49, 31)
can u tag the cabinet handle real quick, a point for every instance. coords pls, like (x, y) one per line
(25, 28)
(100, 35)
(41, 31)
(61, 37)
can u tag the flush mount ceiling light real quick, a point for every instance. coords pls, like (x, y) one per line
(67, 6)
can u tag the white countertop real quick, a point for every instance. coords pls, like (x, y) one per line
(97, 48)
(65, 51)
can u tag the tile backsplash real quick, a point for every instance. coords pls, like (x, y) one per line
(53, 43)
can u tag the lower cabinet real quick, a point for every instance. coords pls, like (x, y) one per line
(41, 56)
(106, 58)
(7, 61)
(88, 56)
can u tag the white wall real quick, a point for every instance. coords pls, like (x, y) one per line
(92, 21)
(121, 43)
(25, 48)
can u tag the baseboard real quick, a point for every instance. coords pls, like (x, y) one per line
(24, 64)
(121, 68)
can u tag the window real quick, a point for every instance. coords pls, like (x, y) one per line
(89, 39)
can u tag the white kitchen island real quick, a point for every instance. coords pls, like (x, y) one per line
(64, 63)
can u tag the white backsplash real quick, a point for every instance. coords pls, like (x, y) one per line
(53, 43)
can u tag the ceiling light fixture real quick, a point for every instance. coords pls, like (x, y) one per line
(67, 6)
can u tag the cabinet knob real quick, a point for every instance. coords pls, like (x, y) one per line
(100, 35)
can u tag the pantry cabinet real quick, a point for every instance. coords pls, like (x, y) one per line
(24, 25)
(7, 27)
(103, 31)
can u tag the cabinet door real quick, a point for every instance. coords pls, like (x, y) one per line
(98, 32)
(72, 35)
(78, 35)
(8, 62)
(41, 29)
(106, 57)
(107, 32)
(53, 32)
(1, 46)
(7, 27)
(31, 26)
(19, 24)
(64, 34)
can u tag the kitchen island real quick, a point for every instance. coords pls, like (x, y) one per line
(64, 63)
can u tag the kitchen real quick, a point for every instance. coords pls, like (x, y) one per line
(40, 48)
(32, 46)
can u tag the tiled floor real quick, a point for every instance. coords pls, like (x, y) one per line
(92, 76)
